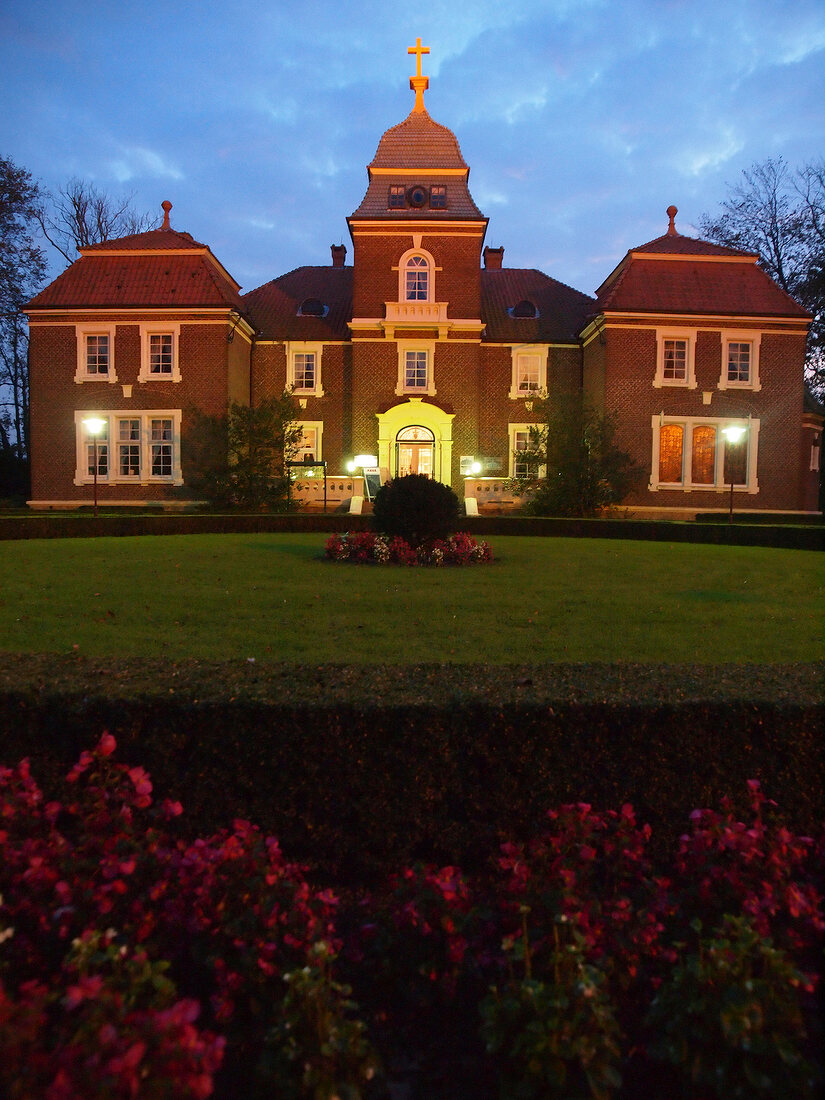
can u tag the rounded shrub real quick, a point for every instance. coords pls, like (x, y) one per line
(416, 508)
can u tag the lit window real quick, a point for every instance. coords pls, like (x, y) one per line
(159, 353)
(303, 375)
(675, 358)
(417, 279)
(529, 371)
(309, 445)
(95, 353)
(145, 447)
(689, 453)
(740, 360)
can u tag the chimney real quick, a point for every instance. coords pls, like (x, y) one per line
(339, 252)
(493, 258)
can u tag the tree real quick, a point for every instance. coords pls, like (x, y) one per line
(22, 269)
(77, 215)
(239, 461)
(572, 465)
(780, 214)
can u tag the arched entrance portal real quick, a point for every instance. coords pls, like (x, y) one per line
(415, 436)
(414, 451)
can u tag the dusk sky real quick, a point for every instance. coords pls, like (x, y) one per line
(581, 120)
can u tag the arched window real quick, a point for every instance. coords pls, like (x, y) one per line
(416, 279)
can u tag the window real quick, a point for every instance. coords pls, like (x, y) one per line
(397, 199)
(529, 376)
(134, 447)
(520, 441)
(691, 453)
(815, 453)
(128, 447)
(415, 367)
(675, 358)
(309, 446)
(95, 353)
(438, 197)
(740, 361)
(159, 353)
(417, 280)
(303, 375)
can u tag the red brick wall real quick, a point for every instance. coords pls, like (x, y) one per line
(204, 369)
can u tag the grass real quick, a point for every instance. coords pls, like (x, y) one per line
(273, 597)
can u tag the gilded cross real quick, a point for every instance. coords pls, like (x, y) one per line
(418, 49)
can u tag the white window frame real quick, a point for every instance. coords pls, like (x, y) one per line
(300, 347)
(316, 426)
(688, 335)
(519, 352)
(82, 372)
(816, 450)
(513, 431)
(688, 423)
(743, 336)
(160, 328)
(402, 275)
(112, 418)
(402, 389)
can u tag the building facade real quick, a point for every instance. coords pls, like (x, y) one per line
(425, 352)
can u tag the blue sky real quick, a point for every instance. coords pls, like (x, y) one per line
(581, 120)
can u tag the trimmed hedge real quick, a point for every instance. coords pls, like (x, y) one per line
(359, 771)
(57, 525)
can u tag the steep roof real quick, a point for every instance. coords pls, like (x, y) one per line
(274, 308)
(561, 310)
(683, 275)
(418, 151)
(160, 268)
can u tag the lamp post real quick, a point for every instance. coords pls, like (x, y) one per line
(94, 426)
(733, 434)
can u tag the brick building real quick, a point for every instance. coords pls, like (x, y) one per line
(426, 352)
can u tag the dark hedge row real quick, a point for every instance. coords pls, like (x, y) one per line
(363, 770)
(762, 533)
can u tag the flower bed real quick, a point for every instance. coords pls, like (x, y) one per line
(138, 962)
(365, 547)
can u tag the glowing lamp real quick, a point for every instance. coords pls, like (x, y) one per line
(365, 460)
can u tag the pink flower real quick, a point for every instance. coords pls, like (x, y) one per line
(106, 745)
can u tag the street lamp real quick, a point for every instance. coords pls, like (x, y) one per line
(733, 433)
(94, 426)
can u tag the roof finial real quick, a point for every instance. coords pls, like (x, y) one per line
(419, 83)
(166, 206)
(671, 229)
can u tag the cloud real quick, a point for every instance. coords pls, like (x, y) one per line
(136, 162)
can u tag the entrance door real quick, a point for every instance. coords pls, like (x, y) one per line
(415, 448)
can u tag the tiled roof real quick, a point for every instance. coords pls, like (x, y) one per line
(701, 286)
(404, 152)
(98, 280)
(151, 241)
(273, 307)
(676, 244)
(418, 142)
(561, 310)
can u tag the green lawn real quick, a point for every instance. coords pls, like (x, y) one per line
(272, 596)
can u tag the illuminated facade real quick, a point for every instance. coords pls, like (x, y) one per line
(425, 351)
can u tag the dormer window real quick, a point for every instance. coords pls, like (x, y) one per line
(312, 307)
(417, 279)
(397, 199)
(438, 197)
(523, 309)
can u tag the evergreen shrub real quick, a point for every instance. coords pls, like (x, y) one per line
(417, 509)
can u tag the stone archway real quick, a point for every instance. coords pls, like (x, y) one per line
(436, 431)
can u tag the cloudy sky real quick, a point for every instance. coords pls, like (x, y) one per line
(581, 120)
